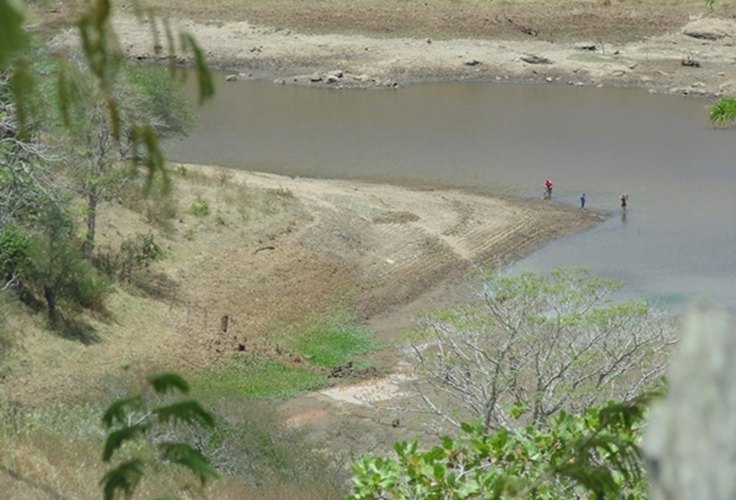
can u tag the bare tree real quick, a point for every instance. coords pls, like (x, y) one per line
(533, 345)
(25, 188)
(143, 95)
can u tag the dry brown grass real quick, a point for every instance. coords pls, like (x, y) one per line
(610, 20)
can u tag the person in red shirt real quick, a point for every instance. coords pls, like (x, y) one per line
(548, 189)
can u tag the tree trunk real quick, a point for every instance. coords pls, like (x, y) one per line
(89, 241)
(50, 296)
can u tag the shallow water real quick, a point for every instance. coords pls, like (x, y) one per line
(676, 243)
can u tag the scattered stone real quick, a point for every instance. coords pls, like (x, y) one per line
(524, 29)
(697, 84)
(690, 61)
(619, 72)
(315, 78)
(429, 41)
(535, 59)
(549, 79)
(704, 34)
(587, 46)
(279, 81)
(342, 370)
(472, 62)
(330, 79)
(231, 78)
(633, 65)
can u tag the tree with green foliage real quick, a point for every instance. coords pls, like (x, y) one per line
(595, 454)
(533, 345)
(55, 271)
(136, 419)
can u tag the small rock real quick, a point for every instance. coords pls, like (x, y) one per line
(619, 72)
(331, 79)
(231, 78)
(633, 65)
(690, 61)
(535, 59)
(697, 84)
(549, 79)
(704, 34)
(316, 77)
(429, 41)
(279, 81)
(587, 46)
(472, 62)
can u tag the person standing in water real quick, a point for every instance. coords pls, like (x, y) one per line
(582, 201)
(624, 200)
(548, 189)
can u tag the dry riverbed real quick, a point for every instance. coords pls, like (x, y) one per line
(697, 58)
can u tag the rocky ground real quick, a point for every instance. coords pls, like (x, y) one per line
(698, 58)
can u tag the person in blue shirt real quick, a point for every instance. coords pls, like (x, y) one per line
(582, 201)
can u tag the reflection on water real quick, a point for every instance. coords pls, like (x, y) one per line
(677, 242)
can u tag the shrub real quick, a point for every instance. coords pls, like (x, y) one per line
(200, 208)
(14, 244)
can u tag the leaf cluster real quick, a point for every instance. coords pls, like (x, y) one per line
(594, 454)
(130, 420)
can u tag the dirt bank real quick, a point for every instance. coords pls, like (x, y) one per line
(273, 250)
(697, 58)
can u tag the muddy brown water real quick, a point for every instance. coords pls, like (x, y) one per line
(676, 243)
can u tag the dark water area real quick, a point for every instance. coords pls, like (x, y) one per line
(676, 243)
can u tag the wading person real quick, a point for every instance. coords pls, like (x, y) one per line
(624, 200)
(582, 200)
(547, 189)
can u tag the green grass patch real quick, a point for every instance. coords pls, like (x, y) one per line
(256, 378)
(333, 341)
(200, 208)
